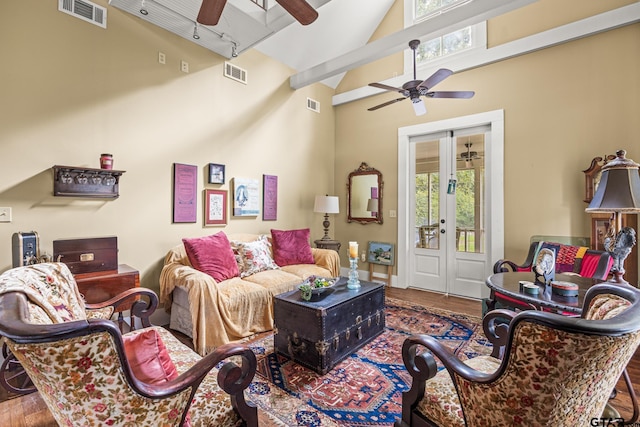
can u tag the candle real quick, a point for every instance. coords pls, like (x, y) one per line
(353, 249)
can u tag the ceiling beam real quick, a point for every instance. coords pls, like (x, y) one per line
(469, 14)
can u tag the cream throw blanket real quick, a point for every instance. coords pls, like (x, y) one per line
(234, 308)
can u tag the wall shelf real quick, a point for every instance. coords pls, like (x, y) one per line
(72, 181)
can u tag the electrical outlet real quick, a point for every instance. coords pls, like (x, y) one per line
(392, 214)
(162, 58)
(5, 214)
(363, 257)
(184, 66)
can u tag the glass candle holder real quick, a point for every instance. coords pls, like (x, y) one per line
(353, 282)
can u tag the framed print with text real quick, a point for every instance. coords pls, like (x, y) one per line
(185, 185)
(269, 197)
(215, 207)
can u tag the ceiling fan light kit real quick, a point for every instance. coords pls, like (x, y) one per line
(415, 88)
(419, 107)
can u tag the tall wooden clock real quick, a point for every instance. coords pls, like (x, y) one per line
(600, 222)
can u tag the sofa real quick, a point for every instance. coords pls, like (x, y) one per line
(220, 289)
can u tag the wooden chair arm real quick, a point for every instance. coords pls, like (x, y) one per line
(143, 303)
(423, 367)
(496, 328)
(506, 266)
(233, 378)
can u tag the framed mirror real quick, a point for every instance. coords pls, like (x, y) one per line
(364, 195)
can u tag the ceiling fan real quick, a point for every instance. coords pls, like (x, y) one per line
(211, 10)
(468, 155)
(414, 89)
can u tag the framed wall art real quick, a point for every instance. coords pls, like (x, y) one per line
(215, 207)
(216, 173)
(246, 197)
(380, 253)
(185, 185)
(269, 197)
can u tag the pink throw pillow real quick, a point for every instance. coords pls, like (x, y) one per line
(291, 247)
(212, 255)
(148, 357)
(149, 360)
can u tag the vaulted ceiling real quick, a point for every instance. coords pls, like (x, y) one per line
(322, 51)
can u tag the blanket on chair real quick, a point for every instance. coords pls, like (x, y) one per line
(50, 289)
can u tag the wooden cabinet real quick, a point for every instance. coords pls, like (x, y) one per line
(600, 223)
(102, 285)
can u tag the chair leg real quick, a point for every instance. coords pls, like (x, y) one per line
(632, 394)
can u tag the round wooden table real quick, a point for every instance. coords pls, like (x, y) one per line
(506, 286)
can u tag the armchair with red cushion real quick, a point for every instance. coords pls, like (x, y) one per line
(89, 373)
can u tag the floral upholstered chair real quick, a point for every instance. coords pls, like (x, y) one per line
(546, 369)
(88, 373)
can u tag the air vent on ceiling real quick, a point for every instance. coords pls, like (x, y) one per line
(313, 105)
(235, 73)
(84, 10)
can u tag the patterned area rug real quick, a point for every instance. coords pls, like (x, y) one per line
(366, 388)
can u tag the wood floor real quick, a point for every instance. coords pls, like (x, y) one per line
(30, 410)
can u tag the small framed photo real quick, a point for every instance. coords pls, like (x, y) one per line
(380, 253)
(216, 173)
(215, 207)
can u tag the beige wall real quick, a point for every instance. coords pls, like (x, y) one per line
(72, 90)
(563, 106)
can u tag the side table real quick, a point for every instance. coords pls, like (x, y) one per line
(99, 286)
(328, 244)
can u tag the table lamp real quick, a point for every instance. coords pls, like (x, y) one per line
(618, 193)
(326, 205)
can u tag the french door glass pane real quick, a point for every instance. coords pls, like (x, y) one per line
(427, 195)
(470, 194)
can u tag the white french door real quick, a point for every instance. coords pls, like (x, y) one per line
(450, 205)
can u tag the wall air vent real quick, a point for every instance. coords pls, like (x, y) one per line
(313, 105)
(84, 10)
(235, 73)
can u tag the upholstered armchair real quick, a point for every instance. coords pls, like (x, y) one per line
(546, 369)
(89, 373)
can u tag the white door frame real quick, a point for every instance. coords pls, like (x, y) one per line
(494, 175)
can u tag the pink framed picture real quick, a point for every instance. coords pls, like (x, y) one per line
(185, 186)
(215, 207)
(270, 197)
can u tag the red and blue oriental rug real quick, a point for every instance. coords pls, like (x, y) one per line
(366, 388)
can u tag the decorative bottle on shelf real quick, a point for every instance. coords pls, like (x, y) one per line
(106, 161)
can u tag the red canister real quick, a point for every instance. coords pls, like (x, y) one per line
(106, 161)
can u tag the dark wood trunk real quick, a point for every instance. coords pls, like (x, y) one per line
(319, 334)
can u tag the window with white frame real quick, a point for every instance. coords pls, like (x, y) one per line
(463, 40)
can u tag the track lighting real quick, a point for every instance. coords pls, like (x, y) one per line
(195, 32)
(234, 50)
(143, 9)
